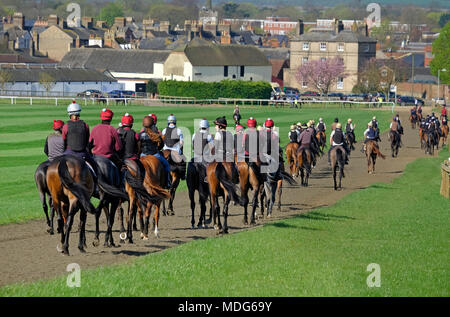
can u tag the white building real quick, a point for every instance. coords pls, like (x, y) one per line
(212, 63)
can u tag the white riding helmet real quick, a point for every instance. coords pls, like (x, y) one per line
(320, 120)
(204, 124)
(74, 109)
(172, 119)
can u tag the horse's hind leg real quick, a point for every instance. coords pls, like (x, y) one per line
(280, 192)
(82, 241)
(225, 214)
(156, 218)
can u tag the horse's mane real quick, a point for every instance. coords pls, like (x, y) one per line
(154, 137)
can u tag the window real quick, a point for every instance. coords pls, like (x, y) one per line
(304, 60)
(365, 48)
(306, 46)
(323, 59)
(340, 83)
(242, 71)
(340, 47)
(304, 84)
(323, 46)
(225, 71)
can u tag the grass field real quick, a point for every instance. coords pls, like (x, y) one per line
(24, 128)
(322, 253)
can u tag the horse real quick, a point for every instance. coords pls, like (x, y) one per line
(237, 119)
(444, 134)
(291, 155)
(394, 137)
(350, 139)
(221, 181)
(195, 180)
(111, 194)
(413, 120)
(372, 152)
(304, 162)
(337, 159)
(71, 185)
(155, 176)
(321, 139)
(249, 178)
(40, 177)
(430, 143)
(177, 173)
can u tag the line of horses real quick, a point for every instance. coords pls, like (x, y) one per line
(430, 138)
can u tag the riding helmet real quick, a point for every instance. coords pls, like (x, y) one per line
(172, 119)
(57, 124)
(106, 115)
(74, 109)
(251, 123)
(269, 123)
(204, 124)
(127, 120)
(221, 121)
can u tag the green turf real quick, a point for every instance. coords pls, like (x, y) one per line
(322, 253)
(23, 130)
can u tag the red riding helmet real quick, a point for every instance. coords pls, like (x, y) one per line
(106, 115)
(155, 119)
(239, 128)
(127, 120)
(269, 123)
(57, 124)
(251, 123)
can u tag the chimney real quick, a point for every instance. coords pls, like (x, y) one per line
(53, 20)
(19, 20)
(101, 25)
(119, 22)
(300, 27)
(164, 26)
(87, 22)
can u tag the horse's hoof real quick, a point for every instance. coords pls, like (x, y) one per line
(245, 222)
(50, 231)
(96, 243)
(59, 249)
(123, 236)
(82, 250)
(145, 238)
(130, 241)
(157, 235)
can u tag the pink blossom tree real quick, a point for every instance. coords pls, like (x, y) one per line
(322, 74)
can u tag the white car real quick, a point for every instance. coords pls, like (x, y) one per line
(438, 101)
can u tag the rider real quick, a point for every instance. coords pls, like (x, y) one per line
(369, 134)
(151, 143)
(293, 134)
(173, 137)
(321, 127)
(128, 137)
(76, 136)
(337, 138)
(443, 112)
(305, 140)
(333, 126)
(202, 143)
(350, 130)
(223, 141)
(271, 139)
(238, 143)
(237, 115)
(299, 129)
(104, 140)
(315, 147)
(54, 144)
(395, 127)
(251, 137)
(376, 128)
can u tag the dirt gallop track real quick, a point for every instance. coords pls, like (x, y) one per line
(28, 253)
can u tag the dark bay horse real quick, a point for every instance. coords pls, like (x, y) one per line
(195, 180)
(304, 161)
(249, 178)
(394, 137)
(221, 182)
(337, 159)
(291, 155)
(177, 173)
(350, 139)
(413, 120)
(111, 195)
(40, 178)
(71, 185)
(372, 152)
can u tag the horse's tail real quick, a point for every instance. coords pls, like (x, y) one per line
(156, 189)
(377, 151)
(307, 166)
(136, 182)
(285, 176)
(221, 175)
(79, 191)
(109, 189)
(255, 170)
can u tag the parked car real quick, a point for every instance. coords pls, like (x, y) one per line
(90, 93)
(121, 94)
(336, 95)
(311, 94)
(409, 101)
(438, 101)
(291, 93)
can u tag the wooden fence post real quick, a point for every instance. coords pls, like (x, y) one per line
(445, 182)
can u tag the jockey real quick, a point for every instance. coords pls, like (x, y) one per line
(238, 143)
(419, 109)
(76, 136)
(305, 140)
(54, 144)
(151, 143)
(104, 140)
(293, 134)
(443, 112)
(299, 129)
(375, 127)
(223, 141)
(413, 111)
(444, 121)
(321, 126)
(395, 127)
(271, 140)
(337, 138)
(400, 126)
(333, 126)
(315, 147)
(129, 138)
(173, 137)
(237, 115)
(251, 137)
(369, 135)
(202, 143)
(155, 121)
(350, 130)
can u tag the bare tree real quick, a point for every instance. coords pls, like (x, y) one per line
(47, 81)
(5, 77)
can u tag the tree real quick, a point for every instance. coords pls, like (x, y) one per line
(5, 77)
(322, 74)
(47, 81)
(110, 12)
(444, 19)
(441, 51)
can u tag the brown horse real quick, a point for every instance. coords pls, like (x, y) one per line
(291, 155)
(177, 173)
(413, 120)
(321, 139)
(155, 176)
(304, 162)
(249, 178)
(71, 185)
(422, 138)
(372, 152)
(337, 159)
(221, 182)
(444, 134)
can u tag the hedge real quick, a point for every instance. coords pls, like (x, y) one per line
(225, 89)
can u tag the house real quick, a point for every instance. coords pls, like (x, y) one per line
(352, 46)
(197, 61)
(54, 81)
(132, 68)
